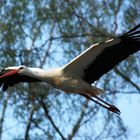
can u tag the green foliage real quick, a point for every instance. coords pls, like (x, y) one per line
(41, 34)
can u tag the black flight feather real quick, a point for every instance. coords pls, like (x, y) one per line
(129, 44)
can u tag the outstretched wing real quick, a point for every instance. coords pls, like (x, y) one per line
(102, 57)
(7, 81)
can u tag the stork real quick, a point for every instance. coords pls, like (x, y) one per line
(78, 75)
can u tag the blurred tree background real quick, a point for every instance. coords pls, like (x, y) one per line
(49, 33)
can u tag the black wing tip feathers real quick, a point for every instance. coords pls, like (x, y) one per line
(111, 56)
(134, 33)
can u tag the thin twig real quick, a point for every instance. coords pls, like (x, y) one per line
(126, 78)
(78, 122)
(50, 119)
(3, 114)
(39, 127)
(26, 137)
(42, 62)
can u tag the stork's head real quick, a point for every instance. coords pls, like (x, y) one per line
(21, 70)
(18, 69)
(12, 71)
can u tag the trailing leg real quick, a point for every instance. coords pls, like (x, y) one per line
(104, 104)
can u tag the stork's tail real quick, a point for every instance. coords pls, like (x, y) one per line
(97, 91)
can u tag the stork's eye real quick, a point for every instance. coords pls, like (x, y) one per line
(21, 68)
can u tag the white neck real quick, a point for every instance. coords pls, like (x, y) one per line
(44, 75)
(38, 73)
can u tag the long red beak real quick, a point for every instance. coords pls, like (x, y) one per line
(9, 73)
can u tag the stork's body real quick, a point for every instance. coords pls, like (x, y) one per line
(58, 78)
(69, 82)
(78, 75)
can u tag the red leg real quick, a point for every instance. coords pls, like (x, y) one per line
(106, 105)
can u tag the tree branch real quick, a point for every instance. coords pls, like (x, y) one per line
(50, 119)
(42, 62)
(39, 127)
(77, 124)
(26, 137)
(126, 78)
(121, 92)
(97, 30)
(3, 115)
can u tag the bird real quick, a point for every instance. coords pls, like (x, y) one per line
(78, 75)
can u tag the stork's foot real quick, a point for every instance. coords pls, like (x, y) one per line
(114, 109)
(104, 104)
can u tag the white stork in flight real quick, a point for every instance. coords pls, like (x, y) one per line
(78, 75)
